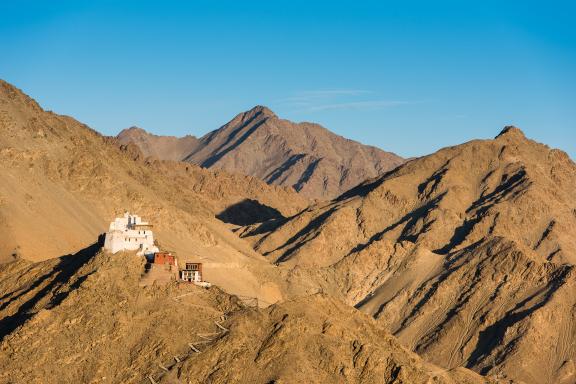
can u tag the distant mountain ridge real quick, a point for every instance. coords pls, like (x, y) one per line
(161, 147)
(305, 156)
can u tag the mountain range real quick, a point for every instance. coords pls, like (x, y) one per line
(467, 255)
(307, 157)
(456, 267)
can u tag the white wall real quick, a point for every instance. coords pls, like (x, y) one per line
(121, 236)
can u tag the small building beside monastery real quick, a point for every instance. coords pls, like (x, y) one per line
(130, 233)
(167, 260)
(192, 273)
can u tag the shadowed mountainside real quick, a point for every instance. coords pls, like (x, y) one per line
(248, 212)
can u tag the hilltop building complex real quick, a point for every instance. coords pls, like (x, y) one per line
(130, 233)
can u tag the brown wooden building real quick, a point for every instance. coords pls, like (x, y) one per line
(192, 272)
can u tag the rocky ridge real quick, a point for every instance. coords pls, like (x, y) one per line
(467, 255)
(305, 156)
(99, 326)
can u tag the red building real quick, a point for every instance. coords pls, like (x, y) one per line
(165, 258)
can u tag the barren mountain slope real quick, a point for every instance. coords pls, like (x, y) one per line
(314, 339)
(305, 156)
(160, 147)
(84, 319)
(467, 255)
(62, 183)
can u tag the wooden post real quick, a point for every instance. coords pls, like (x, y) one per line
(192, 347)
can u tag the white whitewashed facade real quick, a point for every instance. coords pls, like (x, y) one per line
(130, 233)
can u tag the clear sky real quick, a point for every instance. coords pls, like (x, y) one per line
(407, 76)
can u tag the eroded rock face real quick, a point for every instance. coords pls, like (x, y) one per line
(467, 255)
(314, 339)
(85, 318)
(304, 156)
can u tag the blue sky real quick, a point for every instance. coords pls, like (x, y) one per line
(407, 76)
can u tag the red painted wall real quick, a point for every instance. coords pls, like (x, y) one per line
(164, 258)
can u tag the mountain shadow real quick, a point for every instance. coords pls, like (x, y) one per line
(247, 212)
(60, 276)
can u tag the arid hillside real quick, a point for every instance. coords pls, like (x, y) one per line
(62, 183)
(307, 157)
(85, 319)
(313, 340)
(467, 255)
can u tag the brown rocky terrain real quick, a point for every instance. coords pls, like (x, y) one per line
(305, 156)
(84, 319)
(466, 255)
(313, 340)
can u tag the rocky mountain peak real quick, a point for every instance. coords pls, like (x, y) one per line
(262, 110)
(303, 156)
(13, 94)
(133, 131)
(257, 113)
(511, 131)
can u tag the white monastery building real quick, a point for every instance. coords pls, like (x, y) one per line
(130, 233)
